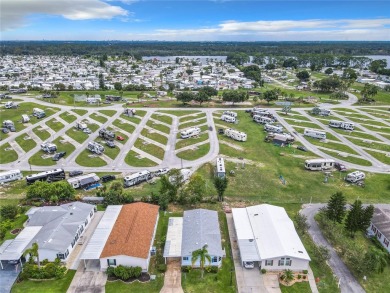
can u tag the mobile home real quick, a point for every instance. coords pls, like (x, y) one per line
(355, 177)
(319, 164)
(314, 133)
(83, 181)
(9, 176)
(137, 178)
(228, 118)
(273, 128)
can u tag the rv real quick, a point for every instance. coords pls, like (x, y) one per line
(220, 168)
(355, 177)
(262, 119)
(93, 100)
(314, 133)
(259, 111)
(49, 176)
(273, 128)
(280, 138)
(39, 113)
(83, 181)
(185, 174)
(235, 134)
(106, 134)
(81, 125)
(9, 125)
(95, 147)
(319, 164)
(25, 118)
(8, 176)
(190, 132)
(11, 105)
(230, 113)
(48, 147)
(137, 178)
(342, 125)
(320, 111)
(129, 112)
(228, 118)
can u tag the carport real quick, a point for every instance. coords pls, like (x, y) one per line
(172, 248)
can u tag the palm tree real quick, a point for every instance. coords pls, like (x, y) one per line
(203, 255)
(288, 276)
(33, 252)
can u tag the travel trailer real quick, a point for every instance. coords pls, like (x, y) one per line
(95, 147)
(11, 175)
(314, 133)
(230, 113)
(342, 125)
(48, 147)
(106, 134)
(235, 134)
(273, 128)
(83, 181)
(137, 178)
(355, 177)
(39, 113)
(228, 118)
(190, 132)
(25, 118)
(262, 119)
(319, 164)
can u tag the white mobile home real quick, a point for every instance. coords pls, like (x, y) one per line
(190, 132)
(319, 164)
(11, 175)
(235, 134)
(83, 181)
(137, 178)
(314, 133)
(380, 226)
(228, 118)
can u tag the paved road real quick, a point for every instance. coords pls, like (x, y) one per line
(348, 283)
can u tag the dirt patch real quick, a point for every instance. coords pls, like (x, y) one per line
(16, 231)
(243, 160)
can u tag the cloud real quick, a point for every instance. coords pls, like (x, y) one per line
(14, 12)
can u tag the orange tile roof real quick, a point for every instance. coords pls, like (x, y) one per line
(133, 231)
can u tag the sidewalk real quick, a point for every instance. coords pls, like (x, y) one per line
(172, 278)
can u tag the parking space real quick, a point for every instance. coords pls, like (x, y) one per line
(8, 276)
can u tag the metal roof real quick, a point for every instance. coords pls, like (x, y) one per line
(381, 220)
(102, 232)
(14, 249)
(172, 246)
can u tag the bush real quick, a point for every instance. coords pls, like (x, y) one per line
(49, 271)
(45, 262)
(263, 271)
(110, 271)
(9, 211)
(186, 269)
(211, 269)
(299, 276)
(162, 268)
(305, 272)
(122, 272)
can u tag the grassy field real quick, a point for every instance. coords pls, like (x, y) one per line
(123, 125)
(355, 133)
(68, 117)
(159, 127)
(50, 286)
(192, 140)
(194, 154)
(83, 159)
(132, 160)
(150, 149)
(385, 130)
(294, 122)
(109, 113)
(155, 136)
(25, 144)
(7, 156)
(192, 117)
(37, 159)
(380, 156)
(191, 124)
(302, 287)
(80, 112)
(350, 159)
(163, 118)
(119, 133)
(378, 146)
(41, 133)
(77, 135)
(98, 118)
(292, 115)
(179, 113)
(366, 121)
(136, 287)
(332, 145)
(135, 119)
(55, 125)
(16, 223)
(93, 127)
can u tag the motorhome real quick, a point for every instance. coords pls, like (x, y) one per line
(235, 134)
(9, 125)
(93, 100)
(319, 164)
(129, 112)
(355, 177)
(262, 119)
(228, 118)
(9, 176)
(320, 111)
(83, 181)
(273, 128)
(11, 105)
(230, 113)
(95, 147)
(220, 168)
(342, 125)
(39, 113)
(137, 178)
(314, 133)
(49, 176)
(106, 134)
(48, 147)
(190, 132)
(279, 138)
(81, 125)
(25, 118)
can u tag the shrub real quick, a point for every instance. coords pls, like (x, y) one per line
(137, 272)
(45, 262)
(9, 211)
(162, 268)
(110, 271)
(49, 271)
(263, 271)
(186, 269)
(305, 272)
(121, 272)
(299, 276)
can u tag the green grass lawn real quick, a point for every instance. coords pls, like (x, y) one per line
(7, 156)
(112, 153)
(385, 130)
(302, 287)
(25, 144)
(150, 149)
(366, 121)
(159, 127)
(192, 140)
(55, 125)
(379, 156)
(355, 133)
(155, 136)
(109, 113)
(80, 112)
(16, 223)
(50, 286)
(132, 160)
(124, 125)
(294, 122)
(83, 159)
(93, 127)
(373, 145)
(77, 135)
(191, 124)
(192, 117)
(179, 113)
(68, 117)
(135, 119)
(332, 145)
(292, 115)
(136, 287)
(350, 159)
(163, 118)
(98, 118)
(192, 155)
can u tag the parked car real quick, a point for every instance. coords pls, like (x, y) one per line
(107, 178)
(340, 167)
(75, 173)
(120, 138)
(110, 144)
(87, 130)
(14, 261)
(248, 111)
(302, 148)
(221, 131)
(249, 264)
(5, 130)
(162, 171)
(58, 156)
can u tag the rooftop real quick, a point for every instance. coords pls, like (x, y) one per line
(381, 220)
(172, 246)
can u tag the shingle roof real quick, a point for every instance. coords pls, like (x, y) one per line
(201, 227)
(133, 231)
(381, 220)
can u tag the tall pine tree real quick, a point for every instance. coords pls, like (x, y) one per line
(335, 210)
(358, 218)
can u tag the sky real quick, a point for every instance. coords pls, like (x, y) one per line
(185, 20)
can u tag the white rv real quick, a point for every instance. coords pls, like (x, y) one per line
(95, 147)
(315, 133)
(235, 134)
(220, 168)
(39, 113)
(25, 118)
(259, 110)
(48, 147)
(319, 164)
(12, 175)
(355, 177)
(230, 113)
(273, 128)
(342, 125)
(137, 178)
(228, 118)
(81, 125)
(93, 100)
(262, 119)
(190, 132)
(83, 180)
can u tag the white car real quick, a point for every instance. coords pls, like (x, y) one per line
(249, 264)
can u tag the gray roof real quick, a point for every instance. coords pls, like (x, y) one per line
(201, 227)
(59, 224)
(381, 220)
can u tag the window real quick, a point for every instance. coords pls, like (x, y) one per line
(86, 222)
(66, 253)
(185, 258)
(111, 262)
(379, 235)
(269, 262)
(214, 259)
(288, 262)
(281, 262)
(284, 261)
(60, 256)
(386, 242)
(91, 214)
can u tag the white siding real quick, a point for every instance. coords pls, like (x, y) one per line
(125, 261)
(296, 264)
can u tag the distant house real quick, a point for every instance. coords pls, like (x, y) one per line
(267, 237)
(124, 236)
(380, 226)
